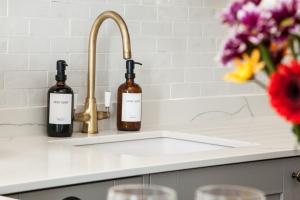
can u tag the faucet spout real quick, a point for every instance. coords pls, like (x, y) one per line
(90, 115)
(93, 40)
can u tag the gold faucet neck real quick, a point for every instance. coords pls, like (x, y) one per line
(93, 40)
(90, 115)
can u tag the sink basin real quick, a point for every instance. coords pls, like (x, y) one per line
(156, 143)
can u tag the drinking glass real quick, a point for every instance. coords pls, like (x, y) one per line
(141, 192)
(228, 192)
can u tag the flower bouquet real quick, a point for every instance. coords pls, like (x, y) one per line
(266, 37)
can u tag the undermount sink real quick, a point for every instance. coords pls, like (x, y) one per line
(156, 143)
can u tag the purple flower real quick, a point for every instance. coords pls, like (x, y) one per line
(286, 17)
(230, 16)
(254, 23)
(233, 48)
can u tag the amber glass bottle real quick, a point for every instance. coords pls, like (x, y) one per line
(60, 105)
(129, 106)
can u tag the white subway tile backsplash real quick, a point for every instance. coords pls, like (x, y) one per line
(176, 40)
(202, 45)
(37, 97)
(80, 27)
(204, 15)
(25, 79)
(13, 98)
(3, 45)
(163, 76)
(172, 45)
(14, 26)
(215, 3)
(157, 29)
(148, 13)
(29, 8)
(172, 13)
(152, 92)
(13, 62)
(53, 27)
(184, 90)
(199, 75)
(154, 60)
(214, 30)
(29, 45)
(80, 61)
(45, 61)
(3, 7)
(143, 44)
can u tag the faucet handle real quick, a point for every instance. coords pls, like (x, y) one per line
(103, 115)
(81, 117)
(107, 97)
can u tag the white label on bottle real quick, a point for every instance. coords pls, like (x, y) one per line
(60, 111)
(131, 107)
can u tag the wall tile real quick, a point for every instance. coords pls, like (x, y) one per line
(14, 26)
(172, 13)
(54, 27)
(140, 13)
(25, 79)
(13, 61)
(13, 98)
(3, 7)
(184, 90)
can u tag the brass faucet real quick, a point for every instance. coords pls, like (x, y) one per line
(90, 116)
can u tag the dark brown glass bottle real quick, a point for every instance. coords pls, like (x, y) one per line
(60, 105)
(129, 106)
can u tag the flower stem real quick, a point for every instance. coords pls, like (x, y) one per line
(267, 59)
(259, 83)
(291, 41)
(296, 130)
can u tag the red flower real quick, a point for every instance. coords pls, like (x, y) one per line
(284, 91)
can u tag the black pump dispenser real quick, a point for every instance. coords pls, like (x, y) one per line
(129, 106)
(61, 68)
(60, 105)
(130, 64)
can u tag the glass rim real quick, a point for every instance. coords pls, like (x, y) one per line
(251, 193)
(163, 190)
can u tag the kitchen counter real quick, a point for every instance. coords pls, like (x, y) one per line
(28, 161)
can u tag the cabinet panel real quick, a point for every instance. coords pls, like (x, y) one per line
(264, 175)
(89, 191)
(274, 197)
(291, 186)
(14, 196)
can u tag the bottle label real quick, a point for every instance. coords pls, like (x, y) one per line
(131, 107)
(60, 111)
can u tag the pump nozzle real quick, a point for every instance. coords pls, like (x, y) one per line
(130, 64)
(61, 67)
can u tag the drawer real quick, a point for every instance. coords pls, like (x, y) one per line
(264, 175)
(91, 191)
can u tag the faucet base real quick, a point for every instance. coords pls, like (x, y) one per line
(90, 126)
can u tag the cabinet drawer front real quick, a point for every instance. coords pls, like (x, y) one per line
(91, 191)
(264, 175)
(274, 197)
(291, 186)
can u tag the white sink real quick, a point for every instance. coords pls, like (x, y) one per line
(156, 143)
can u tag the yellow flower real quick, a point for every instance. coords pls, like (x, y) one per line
(247, 67)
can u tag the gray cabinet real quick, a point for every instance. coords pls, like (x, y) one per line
(91, 191)
(271, 176)
(264, 175)
(291, 186)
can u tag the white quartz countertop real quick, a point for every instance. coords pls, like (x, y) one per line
(30, 162)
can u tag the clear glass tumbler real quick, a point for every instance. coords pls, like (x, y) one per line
(228, 192)
(141, 192)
